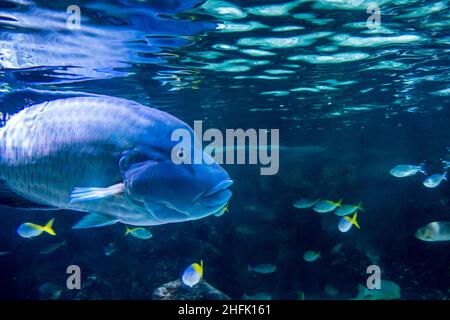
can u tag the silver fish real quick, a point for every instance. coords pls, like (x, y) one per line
(434, 231)
(434, 180)
(406, 170)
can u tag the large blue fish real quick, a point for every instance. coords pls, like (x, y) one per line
(109, 157)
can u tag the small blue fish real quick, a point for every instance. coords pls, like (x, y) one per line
(30, 230)
(324, 206)
(434, 180)
(407, 170)
(50, 291)
(193, 274)
(110, 249)
(311, 256)
(347, 209)
(140, 233)
(305, 203)
(263, 268)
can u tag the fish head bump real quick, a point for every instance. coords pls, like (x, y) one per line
(160, 180)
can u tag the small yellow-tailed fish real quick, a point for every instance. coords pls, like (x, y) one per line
(221, 212)
(193, 274)
(348, 209)
(324, 206)
(30, 230)
(346, 223)
(139, 232)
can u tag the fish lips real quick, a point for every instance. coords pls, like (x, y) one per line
(218, 196)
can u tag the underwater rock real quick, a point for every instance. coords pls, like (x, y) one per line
(176, 290)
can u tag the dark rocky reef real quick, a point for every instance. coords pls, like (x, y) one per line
(176, 290)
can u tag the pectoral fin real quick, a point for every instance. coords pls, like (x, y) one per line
(87, 194)
(93, 220)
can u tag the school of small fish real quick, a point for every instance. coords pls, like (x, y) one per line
(341, 210)
(433, 231)
(408, 170)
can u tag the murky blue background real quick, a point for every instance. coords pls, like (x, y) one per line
(350, 102)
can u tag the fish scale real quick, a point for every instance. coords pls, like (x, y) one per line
(49, 149)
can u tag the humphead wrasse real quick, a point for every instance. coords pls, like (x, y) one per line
(109, 157)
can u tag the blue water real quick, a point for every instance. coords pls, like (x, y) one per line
(350, 101)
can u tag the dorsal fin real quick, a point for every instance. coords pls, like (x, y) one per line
(11, 199)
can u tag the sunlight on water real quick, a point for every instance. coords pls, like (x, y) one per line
(358, 89)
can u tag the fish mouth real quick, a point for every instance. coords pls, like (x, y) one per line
(217, 196)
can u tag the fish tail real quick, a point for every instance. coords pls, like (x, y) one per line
(339, 202)
(201, 268)
(353, 220)
(49, 227)
(249, 268)
(127, 230)
(422, 168)
(359, 206)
